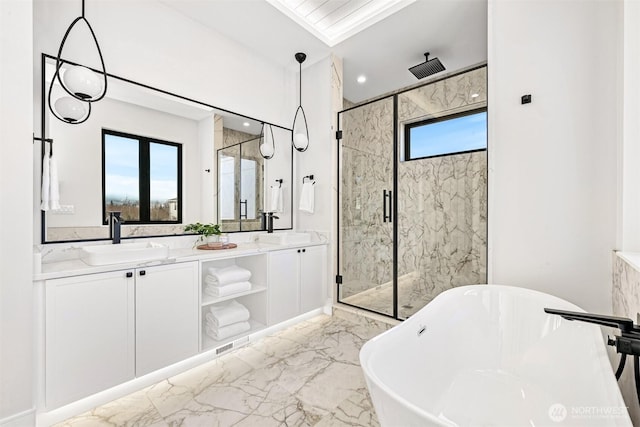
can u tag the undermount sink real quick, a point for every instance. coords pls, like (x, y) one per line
(287, 238)
(125, 252)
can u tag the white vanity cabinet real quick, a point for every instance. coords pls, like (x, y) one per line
(296, 282)
(90, 336)
(104, 329)
(166, 315)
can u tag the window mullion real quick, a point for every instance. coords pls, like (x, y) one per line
(144, 182)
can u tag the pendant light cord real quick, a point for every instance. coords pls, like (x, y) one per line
(300, 80)
(83, 8)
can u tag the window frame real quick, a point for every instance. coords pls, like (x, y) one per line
(144, 177)
(409, 126)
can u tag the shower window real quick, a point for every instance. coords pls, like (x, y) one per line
(464, 132)
(141, 178)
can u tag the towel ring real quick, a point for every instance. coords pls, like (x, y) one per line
(309, 177)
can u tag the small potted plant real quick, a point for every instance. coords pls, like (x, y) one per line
(208, 232)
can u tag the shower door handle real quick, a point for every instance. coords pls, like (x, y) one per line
(386, 206)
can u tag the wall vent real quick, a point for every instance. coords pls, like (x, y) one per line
(224, 348)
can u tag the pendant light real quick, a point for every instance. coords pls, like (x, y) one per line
(300, 134)
(83, 85)
(267, 143)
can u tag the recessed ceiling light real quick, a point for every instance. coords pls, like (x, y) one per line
(246, 124)
(362, 79)
(474, 95)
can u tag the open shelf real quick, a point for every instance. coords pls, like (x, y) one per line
(208, 300)
(209, 343)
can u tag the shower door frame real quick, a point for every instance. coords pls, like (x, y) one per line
(394, 210)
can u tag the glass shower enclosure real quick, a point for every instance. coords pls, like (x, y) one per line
(412, 195)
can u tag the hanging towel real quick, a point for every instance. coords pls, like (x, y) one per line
(307, 197)
(226, 314)
(227, 275)
(223, 291)
(54, 190)
(44, 195)
(277, 202)
(228, 331)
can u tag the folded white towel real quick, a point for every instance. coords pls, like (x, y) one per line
(223, 291)
(277, 199)
(44, 195)
(307, 197)
(227, 331)
(226, 314)
(54, 189)
(227, 275)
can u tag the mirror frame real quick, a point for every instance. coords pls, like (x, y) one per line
(43, 137)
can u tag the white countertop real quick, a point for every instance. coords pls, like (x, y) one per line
(76, 267)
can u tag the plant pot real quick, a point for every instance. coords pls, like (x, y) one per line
(214, 241)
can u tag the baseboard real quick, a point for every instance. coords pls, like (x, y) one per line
(23, 419)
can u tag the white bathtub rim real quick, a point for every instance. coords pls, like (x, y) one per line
(371, 376)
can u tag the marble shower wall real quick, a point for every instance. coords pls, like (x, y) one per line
(626, 303)
(442, 201)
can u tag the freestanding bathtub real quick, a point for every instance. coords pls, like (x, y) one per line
(488, 355)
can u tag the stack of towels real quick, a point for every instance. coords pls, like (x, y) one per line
(226, 320)
(220, 282)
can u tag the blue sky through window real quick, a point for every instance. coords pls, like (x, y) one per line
(465, 133)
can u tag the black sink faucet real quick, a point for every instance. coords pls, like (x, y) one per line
(114, 226)
(270, 219)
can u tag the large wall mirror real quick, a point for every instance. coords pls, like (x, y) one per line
(154, 156)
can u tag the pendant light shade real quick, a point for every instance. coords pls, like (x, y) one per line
(81, 83)
(71, 109)
(267, 143)
(300, 134)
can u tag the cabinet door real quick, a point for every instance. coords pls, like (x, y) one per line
(284, 297)
(89, 335)
(312, 278)
(166, 315)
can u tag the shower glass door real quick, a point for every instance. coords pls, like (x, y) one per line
(366, 254)
(413, 195)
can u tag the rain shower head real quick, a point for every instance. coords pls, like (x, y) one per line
(427, 68)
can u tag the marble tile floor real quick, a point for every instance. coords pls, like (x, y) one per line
(305, 375)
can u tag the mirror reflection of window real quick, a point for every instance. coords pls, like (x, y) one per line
(142, 178)
(227, 184)
(248, 194)
(121, 176)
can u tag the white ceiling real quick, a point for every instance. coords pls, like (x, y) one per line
(455, 31)
(334, 21)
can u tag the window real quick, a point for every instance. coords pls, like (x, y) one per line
(142, 178)
(459, 133)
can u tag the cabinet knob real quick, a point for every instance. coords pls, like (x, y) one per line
(298, 250)
(129, 274)
(304, 250)
(142, 272)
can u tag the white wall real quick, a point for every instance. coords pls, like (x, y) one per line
(629, 239)
(16, 307)
(552, 163)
